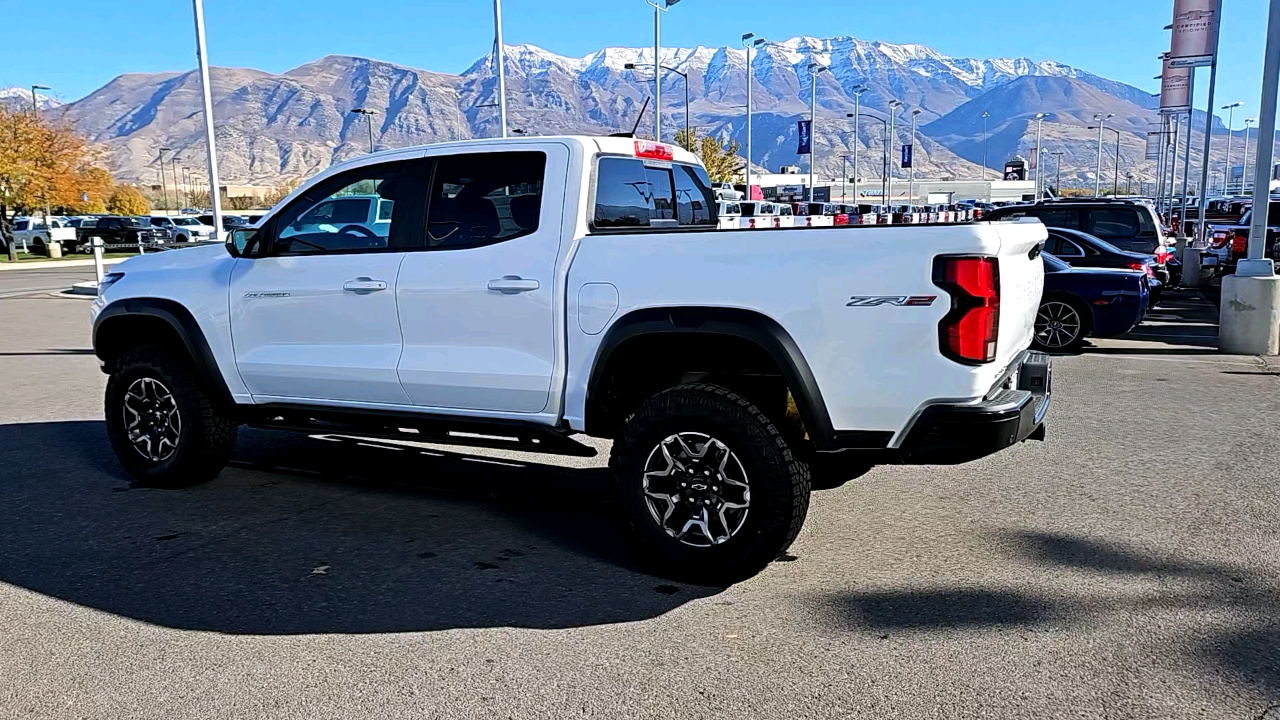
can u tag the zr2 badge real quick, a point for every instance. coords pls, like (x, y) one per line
(891, 300)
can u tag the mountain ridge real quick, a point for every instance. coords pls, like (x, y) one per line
(292, 124)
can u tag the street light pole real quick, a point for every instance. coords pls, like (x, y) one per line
(215, 197)
(688, 136)
(891, 140)
(500, 57)
(911, 178)
(814, 70)
(1244, 169)
(164, 192)
(1039, 157)
(986, 142)
(658, 9)
(1057, 157)
(1231, 136)
(857, 113)
(35, 104)
(1097, 178)
(746, 43)
(368, 120)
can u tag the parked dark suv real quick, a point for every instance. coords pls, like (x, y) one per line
(1126, 224)
(116, 230)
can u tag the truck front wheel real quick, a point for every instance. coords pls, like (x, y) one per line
(711, 488)
(161, 424)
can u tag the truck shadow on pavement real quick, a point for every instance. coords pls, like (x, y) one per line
(302, 535)
(1243, 650)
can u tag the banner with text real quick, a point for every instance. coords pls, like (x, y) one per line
(906, 156)
(804, 131)
(1195, 33)
(1175, 88)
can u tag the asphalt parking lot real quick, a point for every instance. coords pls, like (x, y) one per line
(1129, 567)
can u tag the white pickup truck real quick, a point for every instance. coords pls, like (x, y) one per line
(35, 233)
(526, 290)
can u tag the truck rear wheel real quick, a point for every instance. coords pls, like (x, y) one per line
(161, 424)
(711, 488)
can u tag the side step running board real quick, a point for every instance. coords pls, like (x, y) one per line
(439, 430)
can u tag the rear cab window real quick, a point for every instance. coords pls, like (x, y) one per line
(633, 193)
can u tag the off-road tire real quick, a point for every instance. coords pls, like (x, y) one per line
(778, 480)
(207, 434)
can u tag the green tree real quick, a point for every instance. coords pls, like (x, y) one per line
(722, 162)
(127, 200)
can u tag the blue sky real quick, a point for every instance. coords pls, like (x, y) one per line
(90, 41)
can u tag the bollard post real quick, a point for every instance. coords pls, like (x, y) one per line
(96, 243)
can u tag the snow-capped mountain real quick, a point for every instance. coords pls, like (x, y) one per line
(298, 122)
(16, 98)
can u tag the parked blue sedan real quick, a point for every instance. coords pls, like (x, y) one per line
(1088, 302)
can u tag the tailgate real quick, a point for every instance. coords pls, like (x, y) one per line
(1021, 285)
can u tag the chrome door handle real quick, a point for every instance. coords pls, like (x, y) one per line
(513, 285)
(364, 285)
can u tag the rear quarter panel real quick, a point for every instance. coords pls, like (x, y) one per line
(875, 366)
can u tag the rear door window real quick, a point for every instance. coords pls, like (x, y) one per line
(695, 200)
(485, 198)
(631, 193)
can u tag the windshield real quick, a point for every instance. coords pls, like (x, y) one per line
(185, 221)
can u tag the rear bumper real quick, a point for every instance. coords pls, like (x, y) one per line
(951, 434)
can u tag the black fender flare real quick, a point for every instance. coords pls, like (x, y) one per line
(183, 324)
(746, 324)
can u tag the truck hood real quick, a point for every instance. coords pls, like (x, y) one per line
(182, 259)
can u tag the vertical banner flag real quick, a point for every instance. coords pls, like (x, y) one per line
(1153, 144)
(1175, 88)
(1195, 33)
(806, 138)
(1035, 160)
(906, 155)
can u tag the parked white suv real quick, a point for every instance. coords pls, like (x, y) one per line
(185, 229)
(520, 291)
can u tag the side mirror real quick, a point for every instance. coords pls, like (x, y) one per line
(243, 242)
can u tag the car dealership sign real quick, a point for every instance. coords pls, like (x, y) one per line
(1195, 33)
(1175, 88)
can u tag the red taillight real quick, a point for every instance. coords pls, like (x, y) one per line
(969, 333)
(1220, 239)
(654, 151)
(1143, 268)
(1239, 244)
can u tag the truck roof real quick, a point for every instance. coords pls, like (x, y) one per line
(608, 144)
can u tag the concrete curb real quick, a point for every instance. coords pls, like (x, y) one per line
(44, 265)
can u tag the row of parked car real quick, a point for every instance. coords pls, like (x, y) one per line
(73, 233)
(748, 214)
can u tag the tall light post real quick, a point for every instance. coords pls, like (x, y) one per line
(1039, 160)
(911, 178)
(884, 159)
(368, 121)
(1097, 178)
(1231, 136)
(215, 197)
(1057, 158)
(658, 9)
(985, 143)
(1244, 169)
(748, 43)
(893, 141)
(35, 103)
(857, 116)
(1115, 189)
(500, 59)
(688, 137)
(814, 70)
(164, 192)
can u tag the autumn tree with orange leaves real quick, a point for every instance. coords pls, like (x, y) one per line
(45, 165)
